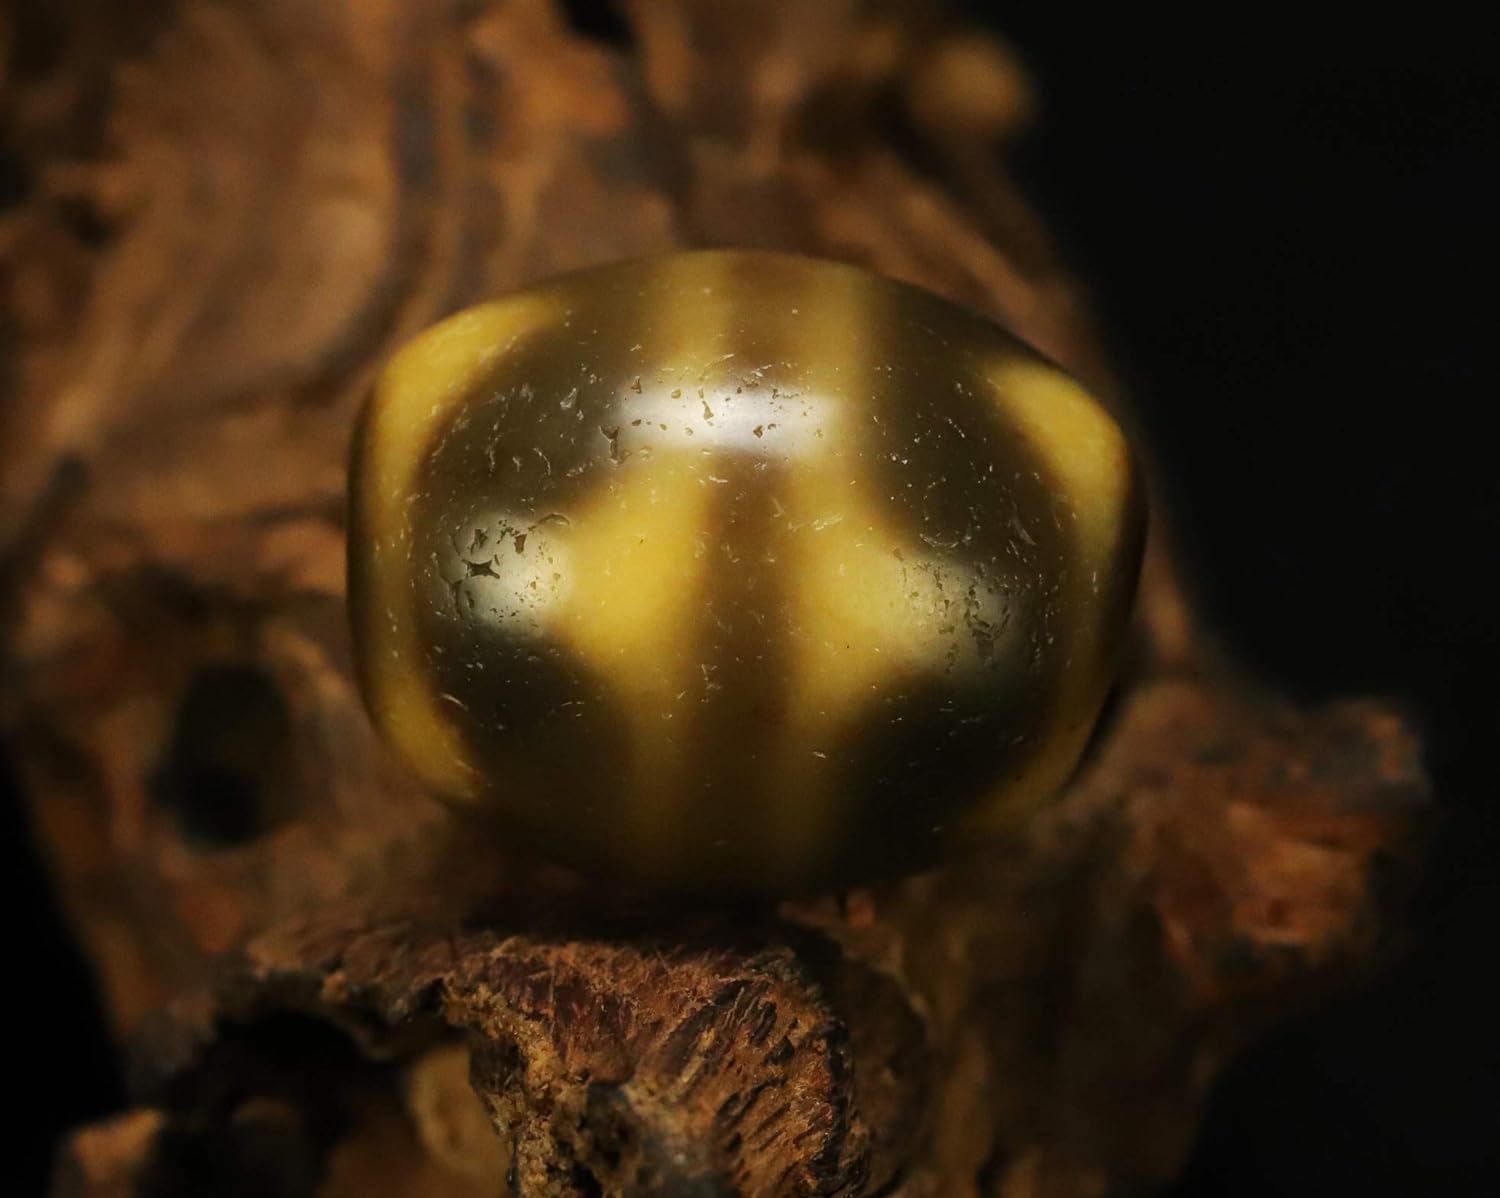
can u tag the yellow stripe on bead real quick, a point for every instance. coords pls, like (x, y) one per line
(415, 395)
(1089, 463)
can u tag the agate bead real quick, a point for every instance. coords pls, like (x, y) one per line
(738, 571)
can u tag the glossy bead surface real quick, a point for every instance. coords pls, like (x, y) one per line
(738, 571)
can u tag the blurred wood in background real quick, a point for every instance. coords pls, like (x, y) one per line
(233, 212)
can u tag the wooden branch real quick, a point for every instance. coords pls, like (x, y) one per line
(237, 212)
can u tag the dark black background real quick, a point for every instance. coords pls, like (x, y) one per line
(1283, 221)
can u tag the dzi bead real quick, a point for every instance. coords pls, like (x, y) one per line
(738, 571)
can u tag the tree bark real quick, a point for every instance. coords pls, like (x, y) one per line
(232, 214)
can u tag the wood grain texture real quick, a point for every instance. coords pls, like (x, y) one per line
(231, 214)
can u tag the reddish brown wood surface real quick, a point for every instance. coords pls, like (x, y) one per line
(236, 211)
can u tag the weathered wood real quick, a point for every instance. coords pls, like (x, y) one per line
(235, 212)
